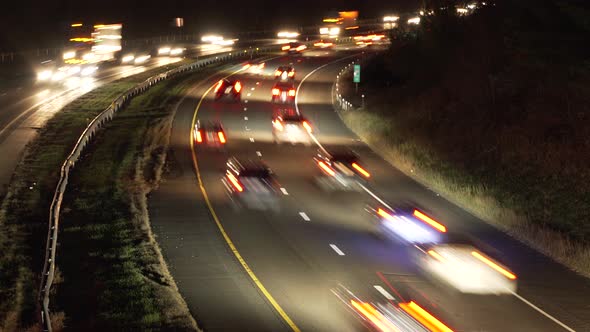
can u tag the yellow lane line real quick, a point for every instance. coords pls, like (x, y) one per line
(229, 242)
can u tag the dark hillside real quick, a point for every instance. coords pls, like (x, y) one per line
(499, 99)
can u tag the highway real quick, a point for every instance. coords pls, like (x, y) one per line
(283, 267)
(25, 108)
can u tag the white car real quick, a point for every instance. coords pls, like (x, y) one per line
(291, 127)
(467, 269)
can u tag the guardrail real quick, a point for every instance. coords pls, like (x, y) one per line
(96, 123)
(341, 103)
(107, 115)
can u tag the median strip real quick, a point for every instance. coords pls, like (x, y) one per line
(24, 214)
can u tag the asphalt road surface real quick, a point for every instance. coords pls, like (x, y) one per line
(280, 268)
(25, 108)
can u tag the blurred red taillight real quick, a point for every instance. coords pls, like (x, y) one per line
(307, 126)
(278, 125)
(221, 137)
(219, 84)
(361, 170)
(326, 168)
(235, 182)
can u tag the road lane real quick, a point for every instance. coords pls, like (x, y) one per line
(217, 290)
(544, 282)
(24, 110)
(296, 259)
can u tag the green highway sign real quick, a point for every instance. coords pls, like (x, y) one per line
(356, 75)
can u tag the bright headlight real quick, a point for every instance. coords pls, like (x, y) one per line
(128, 58)
(44, 75)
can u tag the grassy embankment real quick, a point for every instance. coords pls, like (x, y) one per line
(114, 277)
(492, 111)
(24, 213)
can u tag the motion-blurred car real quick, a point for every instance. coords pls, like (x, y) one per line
(294, 48)
(141, 58)
(229, 88)
(407, 224)
(291, 127)
(407, 316)
(369, 40)
(340, 170)
(170, 51)
(283, 92)
(255, 68)
(251, 184)
(323, 44)
(209, 134)
(462, 266)
(285, 73)
(49, 73)
(394, 316)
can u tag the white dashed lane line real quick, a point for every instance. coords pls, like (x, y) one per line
(245, 108)
(337, 250)
(252, 139)
(259, 154)
(284, 191)
(304, 216)
(384, 292)
(246, 118)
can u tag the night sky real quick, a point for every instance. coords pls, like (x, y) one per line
(31, 23)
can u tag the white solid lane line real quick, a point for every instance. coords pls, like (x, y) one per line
(301, 84)
(555, 320)
(284, 191)
(374, 196)
(384, 292)
(259, 154)
(304, 216)
(337, 250)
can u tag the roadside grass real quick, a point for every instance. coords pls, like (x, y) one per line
(416, 160)
(114, 277)
(491, 110)
(25, 208)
